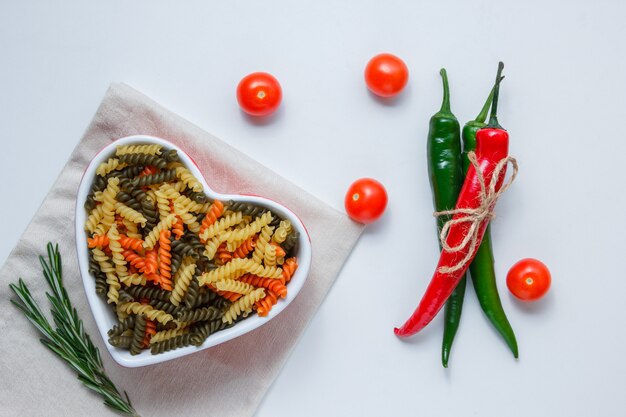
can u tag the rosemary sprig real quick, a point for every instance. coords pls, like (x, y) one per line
(68, 340)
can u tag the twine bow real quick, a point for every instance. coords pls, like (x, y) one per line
(475, 216)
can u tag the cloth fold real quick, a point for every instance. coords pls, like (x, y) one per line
(226, 380)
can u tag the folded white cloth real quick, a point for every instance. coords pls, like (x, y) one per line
(226, 380)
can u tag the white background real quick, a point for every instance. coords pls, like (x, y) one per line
(563, 102)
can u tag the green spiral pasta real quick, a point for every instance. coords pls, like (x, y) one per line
(167, 334)
(166, 175)
(125, 198)
(200, 314)
(247, 209)
(123, 342)
(151, 293)
(183, 340)
(143, 159)
(139, 333)
(207, 328)
(193, 292)
(118, 329)
(166, 306)
(124, 297)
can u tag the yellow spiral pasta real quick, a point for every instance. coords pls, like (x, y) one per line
(147, 149)
(132, 230)
(111, 278)
(94, 218)
(163, 202)
(134, 279)
(239, 235)
(145, 309)
(269, 257)
(116, 252)
(234, 286)
(111, 165)
(221, 225)
(130, 214)
(167, 334)
(210, 247)
(231, 270)
(263, 271)
(189, 219)
(187, 177)
(283, 230)
(261, 243)
(108, 206)
(153, 236)
(243, 304)
(183, 278)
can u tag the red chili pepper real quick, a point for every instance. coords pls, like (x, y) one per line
(466, 228)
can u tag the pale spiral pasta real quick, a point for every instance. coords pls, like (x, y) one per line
(269, 258)
(111, 279)
(145, 309)
(263, 240)
(94, 219)
(187, 177)
(111, 165)
(116, 251)
(283, 230)
(167, 334)
(240, 235)
(234, 286)
(130, 214)
(222, 225)
(245, 303)
(183, 278)
(147, 149)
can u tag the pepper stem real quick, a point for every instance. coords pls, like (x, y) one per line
(482, 116)
(445, 105)
(493, 119)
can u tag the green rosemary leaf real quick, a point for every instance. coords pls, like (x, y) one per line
(68, 340)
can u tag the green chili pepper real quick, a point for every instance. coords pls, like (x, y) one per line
(482, 267)
(445, 170)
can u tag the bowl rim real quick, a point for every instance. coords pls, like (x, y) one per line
(103, 314)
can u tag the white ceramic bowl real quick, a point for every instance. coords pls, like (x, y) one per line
(103, 313)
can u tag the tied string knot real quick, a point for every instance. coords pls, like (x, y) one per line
(475, 216)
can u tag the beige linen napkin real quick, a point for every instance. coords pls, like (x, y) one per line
(226, 380)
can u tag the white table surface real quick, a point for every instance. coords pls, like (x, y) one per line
(563, 102)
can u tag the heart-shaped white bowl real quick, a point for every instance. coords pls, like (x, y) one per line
(103, 313)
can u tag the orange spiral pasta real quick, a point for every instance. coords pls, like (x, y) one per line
(151, 261)
(135, 260)
(97, 241)
(165, 260)
(289, 268)
(265, 304)
(131, 243)
(216, 210)
(245, 248)
(230, 296)
(149, 170)
(150, 331)
(274, 285)
(280, 252)
(177, 227)
(223, 254)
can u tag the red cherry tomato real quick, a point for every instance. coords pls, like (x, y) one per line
(529, 279)
(366, 200)
(386, 75)
(259, 94)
